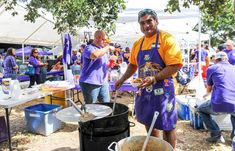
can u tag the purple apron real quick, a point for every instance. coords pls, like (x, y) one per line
(158, 97)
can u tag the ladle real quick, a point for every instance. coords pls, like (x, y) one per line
(156, 113)
(115, 100)
(86, 116)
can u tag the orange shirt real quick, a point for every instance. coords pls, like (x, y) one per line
(169, 49)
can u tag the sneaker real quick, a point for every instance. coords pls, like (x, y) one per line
(216, 139)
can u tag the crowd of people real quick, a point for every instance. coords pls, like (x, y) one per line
(157, 57)
(10, 68)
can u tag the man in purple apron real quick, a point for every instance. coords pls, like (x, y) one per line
(157, 57)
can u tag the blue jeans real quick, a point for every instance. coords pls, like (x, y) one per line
(206, 111)
(92, 93)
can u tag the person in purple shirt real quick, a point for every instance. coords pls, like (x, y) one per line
(220, 84)
(204, 55)
(230, 51)
(81, 50)
(9, 64)
(94, 75)
(34, 61)
(74, 57)
(126, 55)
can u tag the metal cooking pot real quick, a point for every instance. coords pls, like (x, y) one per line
(135, 143)
(109, 125)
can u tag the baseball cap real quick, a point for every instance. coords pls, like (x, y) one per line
(221, 47)
(221, 55)
(117, 45)
(82, 46)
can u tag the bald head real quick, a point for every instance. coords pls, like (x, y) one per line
(99, 34)
(99, 38)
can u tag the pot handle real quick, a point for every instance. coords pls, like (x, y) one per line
(113, 143)
(132, 124)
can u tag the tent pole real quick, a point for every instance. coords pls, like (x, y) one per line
(199, 43)
(188, 61)
(23, 52)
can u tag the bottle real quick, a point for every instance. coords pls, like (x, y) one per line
(233, 144)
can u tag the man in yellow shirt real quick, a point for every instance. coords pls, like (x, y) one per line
(157, 57)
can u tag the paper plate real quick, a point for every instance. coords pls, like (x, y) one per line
(71, 115)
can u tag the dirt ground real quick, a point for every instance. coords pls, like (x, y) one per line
(67, 138)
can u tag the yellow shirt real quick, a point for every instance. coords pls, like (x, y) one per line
(169, 49)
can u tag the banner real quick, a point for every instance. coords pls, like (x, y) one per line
(67, 52)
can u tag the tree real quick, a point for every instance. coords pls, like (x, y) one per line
(218, 17)
(69, 15)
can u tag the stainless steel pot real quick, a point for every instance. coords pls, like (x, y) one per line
(135, 143)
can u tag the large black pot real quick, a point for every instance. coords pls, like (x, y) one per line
(112, 124)
(97, 135)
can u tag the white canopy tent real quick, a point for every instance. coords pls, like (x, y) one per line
(14, 29)
(18, 31)
(179, 24)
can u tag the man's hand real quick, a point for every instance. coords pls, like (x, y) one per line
(16, 67)
(205, 96)
(147, 82)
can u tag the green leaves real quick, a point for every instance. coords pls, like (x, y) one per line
(69, 15)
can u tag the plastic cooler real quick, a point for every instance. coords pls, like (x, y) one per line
(223, 121)
(182, 105)
(41, 118)
(195, 118)
(196, 121)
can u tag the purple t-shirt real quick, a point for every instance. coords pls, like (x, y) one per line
(74, 58)
(204, 54)
(221, 77)
(231, 56)
(94, 71)
(35, 63)
(8, 64)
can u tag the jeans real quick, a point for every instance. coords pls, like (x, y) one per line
(34, 78)
(43, 74)
(206, 111)
(92, 93)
